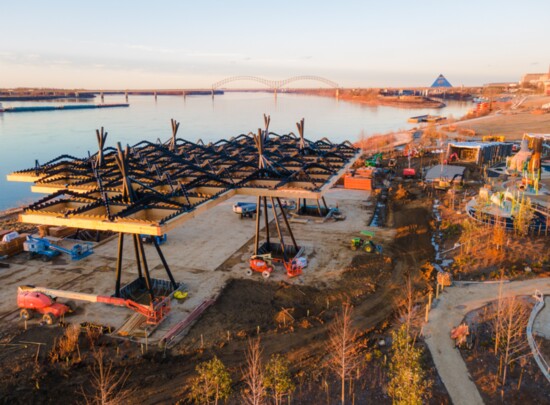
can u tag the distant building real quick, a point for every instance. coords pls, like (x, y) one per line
(441, 82)
(540, 80)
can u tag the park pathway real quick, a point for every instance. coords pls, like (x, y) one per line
(448, 311)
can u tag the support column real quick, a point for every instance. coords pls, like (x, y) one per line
(281, 239)
(148, 283)
(324, 203)
(319, 208)
(257, 240)
(266, 223)
(165, 264)
(119, 263)
(287, 224)
(138, 260)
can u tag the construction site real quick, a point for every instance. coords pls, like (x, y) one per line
(178, 251)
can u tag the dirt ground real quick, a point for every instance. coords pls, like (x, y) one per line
(523, 384)
(247, 306)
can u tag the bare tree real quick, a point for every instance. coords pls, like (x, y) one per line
(510, 333)
(253, 374)
(405, 304)
(343, 348)
(108, 386)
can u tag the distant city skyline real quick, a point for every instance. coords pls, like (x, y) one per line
(175, 44)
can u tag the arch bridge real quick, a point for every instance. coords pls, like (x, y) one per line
(275, 84)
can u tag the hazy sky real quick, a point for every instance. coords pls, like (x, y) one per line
(190, 44)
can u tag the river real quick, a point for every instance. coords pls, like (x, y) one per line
(45, 135)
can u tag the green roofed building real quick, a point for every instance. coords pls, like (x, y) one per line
(441, 82)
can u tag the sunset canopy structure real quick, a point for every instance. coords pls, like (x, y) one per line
(150, 188)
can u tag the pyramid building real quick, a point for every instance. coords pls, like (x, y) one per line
(441, 82)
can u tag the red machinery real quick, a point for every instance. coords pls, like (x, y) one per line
(262, 264)
(409, 172)
(34, 301)
(43, 300)
(293, 269)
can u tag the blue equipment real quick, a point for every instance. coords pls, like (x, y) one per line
(45, 248)
(149, 239)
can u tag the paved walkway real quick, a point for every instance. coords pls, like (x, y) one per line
(448, 312)
(542, 321)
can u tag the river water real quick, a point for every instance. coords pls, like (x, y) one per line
(45, 135)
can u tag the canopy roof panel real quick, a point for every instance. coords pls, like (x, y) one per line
(150, 188)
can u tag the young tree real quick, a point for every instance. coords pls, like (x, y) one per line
(212, 384)
(523, 216)
(278, 379)
(510, 325)
(253, 374)
(108, 386)
(408, 383)
(342, 346)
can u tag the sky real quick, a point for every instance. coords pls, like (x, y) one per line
(159, 44)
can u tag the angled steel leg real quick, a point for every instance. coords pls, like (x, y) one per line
(287, 224)
(138, 260)
(148, 283)
(325, 203)
(319, 208)
(281, 239)
(163, 260)
(266, 223)
(119, 263)
(257, 240)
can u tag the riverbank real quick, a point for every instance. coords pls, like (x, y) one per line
(512, 123)
(372, 97)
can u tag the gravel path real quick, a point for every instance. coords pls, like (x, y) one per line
(448, 312)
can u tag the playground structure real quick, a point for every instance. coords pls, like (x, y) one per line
(503, 206)
(527, 162)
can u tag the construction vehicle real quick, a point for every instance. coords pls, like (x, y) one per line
(32, 302)
(264, 264)
(245, 209)
(150, 238)
(43, 300)
(48, 250)
(292, 267)
(366, 244)
(248, 209)
(260, 264)
(374, 160)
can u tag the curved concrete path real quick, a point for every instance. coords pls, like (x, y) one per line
(448, 312)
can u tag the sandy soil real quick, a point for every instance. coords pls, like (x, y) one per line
(512, 123)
